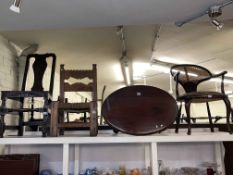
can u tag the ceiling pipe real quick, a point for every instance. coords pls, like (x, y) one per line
(125, 61)
(213, 12)
(155, 39)
(120, 33)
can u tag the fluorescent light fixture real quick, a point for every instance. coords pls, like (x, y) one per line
(126, 67)
(127, 74)
(228, 81)
(228, 92)
(140, 68)
(117, 72)
(229, 74)
(161, 68)
(165, 67)
(15, 7)
(154, 61)
(183, 73)
(217, 23)
(171, 60)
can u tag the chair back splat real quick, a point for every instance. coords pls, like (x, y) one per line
(39, 67)
(65, 86)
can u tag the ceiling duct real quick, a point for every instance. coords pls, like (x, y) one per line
(29, 50)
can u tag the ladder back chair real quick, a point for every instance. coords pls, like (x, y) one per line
(38, 64)
(189, 76)
(63, 106)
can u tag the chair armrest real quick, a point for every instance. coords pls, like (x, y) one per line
(219, 74)
(222, 75)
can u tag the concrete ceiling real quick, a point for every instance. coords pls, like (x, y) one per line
(83, 32)
(54, 14)
(79, 48)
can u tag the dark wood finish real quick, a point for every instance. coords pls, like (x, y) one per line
(101, 103)
(189, 76)
(22, 164)
(39, 67)
(139, 110)
(228, 158)
(59, 108)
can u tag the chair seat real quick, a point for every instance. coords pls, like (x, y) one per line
(202, 96)
(21, 94)
(9, 110)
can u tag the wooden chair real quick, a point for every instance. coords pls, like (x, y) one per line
(39, 66)
(59, 108)
(189, 77)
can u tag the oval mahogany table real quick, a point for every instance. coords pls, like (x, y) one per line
(139, 110)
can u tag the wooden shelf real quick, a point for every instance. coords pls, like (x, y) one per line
(108, 137)
(120, 138)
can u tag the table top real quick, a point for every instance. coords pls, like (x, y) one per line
(139, 110)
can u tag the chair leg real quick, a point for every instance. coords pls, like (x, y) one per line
(228, 109)
(85, 117)
(115, 131)
(54, 119)
(178, 119)
(2, 118)
(61, 120)
(231, 114)
(2, 126)
(45, 124)
(20, 123)
(210, 117)
(187, 108)
(93, 120)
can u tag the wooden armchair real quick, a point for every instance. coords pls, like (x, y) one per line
(38, 64)
(189, 77)
(62, 106)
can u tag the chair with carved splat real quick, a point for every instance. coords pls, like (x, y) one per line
(24, 103)
(63, 106)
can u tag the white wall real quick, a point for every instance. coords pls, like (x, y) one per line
(8, 67)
